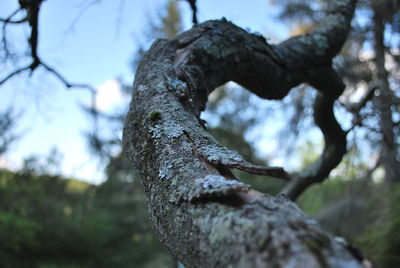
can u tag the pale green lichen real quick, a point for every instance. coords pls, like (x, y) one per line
(213, 186)
(223, 227)
(168, 129)
(174, 131)
(155, 132)
(217, 153)
(166, 172)
(180, 88)
(141, 88)
(177, 85)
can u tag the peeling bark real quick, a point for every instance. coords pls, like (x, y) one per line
(200, 211)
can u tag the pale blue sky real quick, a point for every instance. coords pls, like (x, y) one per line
(97, 49)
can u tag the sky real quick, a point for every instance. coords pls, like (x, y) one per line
(94, 44)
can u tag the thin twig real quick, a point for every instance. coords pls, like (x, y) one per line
(13, 21)
(65, 81)
(8, 19)
(5, 23)
(80, 14)
(20, 70)
(38, 62)
(119, 18)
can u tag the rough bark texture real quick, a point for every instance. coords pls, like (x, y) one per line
(200, 211)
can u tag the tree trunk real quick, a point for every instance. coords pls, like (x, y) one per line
(385, 102)
(200, 211)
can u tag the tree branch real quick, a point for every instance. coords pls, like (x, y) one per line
(65, 81)
(201, 212)
(38, 62)
(330, 87)
(9, 18)
(12, 74)
(319, 46)
(193, 7)
(6, 21)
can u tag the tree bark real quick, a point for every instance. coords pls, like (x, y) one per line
(200, 211)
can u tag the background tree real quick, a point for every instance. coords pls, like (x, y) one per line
(7, 130)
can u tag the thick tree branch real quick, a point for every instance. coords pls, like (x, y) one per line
(201, 212)
(319, 46)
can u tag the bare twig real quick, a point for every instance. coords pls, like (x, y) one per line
(193, 7)
(10, 75)
(38, 62)
(9, 18)
(6, 21)
(65, 81)
(80, 14)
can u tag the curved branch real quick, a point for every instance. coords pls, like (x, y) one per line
(9, 18)
(14, 73)
(201, 212)
(66, 83)
(319, 46)
(330, 87)
(6, 21)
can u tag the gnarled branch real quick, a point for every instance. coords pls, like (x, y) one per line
(201, 212)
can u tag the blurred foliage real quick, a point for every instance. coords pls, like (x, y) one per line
(365, 213)
(50, 221)
(381, 239)
(355, 204)
(8, 120)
